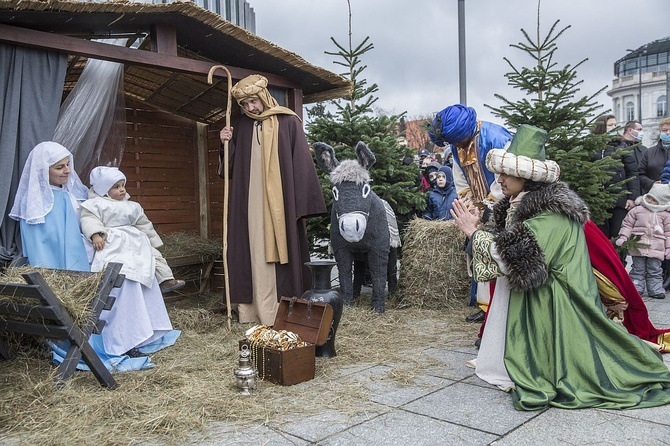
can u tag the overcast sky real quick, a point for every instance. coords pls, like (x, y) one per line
(415, 57)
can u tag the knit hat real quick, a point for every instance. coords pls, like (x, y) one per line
(424, 153)
(525, 157)
(102, 179)
(661, 193)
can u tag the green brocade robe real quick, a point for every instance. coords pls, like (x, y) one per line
(560, 348)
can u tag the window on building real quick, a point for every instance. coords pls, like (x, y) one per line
(630, 111)
(661, 106)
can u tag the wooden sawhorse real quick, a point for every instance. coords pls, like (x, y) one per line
(47, 317)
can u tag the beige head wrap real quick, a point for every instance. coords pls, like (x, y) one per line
(255, 85)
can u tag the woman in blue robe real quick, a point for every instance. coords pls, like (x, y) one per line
(47, 205)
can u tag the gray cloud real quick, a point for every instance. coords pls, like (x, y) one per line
(415, 59)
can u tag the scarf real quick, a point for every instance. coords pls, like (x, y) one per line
(274, 221)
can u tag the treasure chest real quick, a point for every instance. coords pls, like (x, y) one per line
(311, 321)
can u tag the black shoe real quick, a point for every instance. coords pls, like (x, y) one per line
(476, 317)
(134, 353)
(478, 342)
(657, 296)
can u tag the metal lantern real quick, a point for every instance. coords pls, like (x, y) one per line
(246, 373)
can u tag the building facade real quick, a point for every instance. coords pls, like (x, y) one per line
(640, 87)
(236, 11)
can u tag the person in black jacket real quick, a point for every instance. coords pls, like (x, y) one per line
(654, 158)
(632, 137)
(651, 167)
(629, 172)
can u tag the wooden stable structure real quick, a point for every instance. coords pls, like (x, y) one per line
(173, 115)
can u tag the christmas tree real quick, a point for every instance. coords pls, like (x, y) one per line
(552, 103)
(393, 179)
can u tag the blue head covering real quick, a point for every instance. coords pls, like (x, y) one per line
(449, 176)
(452, 125)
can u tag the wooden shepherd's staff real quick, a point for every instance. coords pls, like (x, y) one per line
(225, 190)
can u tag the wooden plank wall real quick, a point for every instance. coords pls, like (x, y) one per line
(160, 162)
(214, 183)
(164, 176)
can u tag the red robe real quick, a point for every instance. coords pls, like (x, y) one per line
(302, 198)
(605, 259)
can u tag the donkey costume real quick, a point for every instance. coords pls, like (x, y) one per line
(359, 222)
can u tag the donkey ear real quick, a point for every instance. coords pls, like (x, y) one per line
(325, 156)
(365, 157)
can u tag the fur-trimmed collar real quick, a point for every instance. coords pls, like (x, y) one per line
(555, 197)
(517, 246)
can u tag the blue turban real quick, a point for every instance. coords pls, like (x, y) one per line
(452, 125)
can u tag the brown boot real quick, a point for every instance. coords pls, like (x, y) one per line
(171, 285)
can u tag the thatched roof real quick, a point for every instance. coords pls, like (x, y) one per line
(203, 38)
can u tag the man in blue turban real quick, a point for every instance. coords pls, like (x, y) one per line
(470, 140)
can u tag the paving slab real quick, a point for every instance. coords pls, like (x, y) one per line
(488, 410)
(451, 364)
(400, 428)
(229, 434)
(315, 428)
(587, 426)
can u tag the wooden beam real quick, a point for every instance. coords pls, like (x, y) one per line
(81, 47)
(164, 39)
(203, 178)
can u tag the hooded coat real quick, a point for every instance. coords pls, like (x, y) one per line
(549, 338)
(440, 199)
(652, 223)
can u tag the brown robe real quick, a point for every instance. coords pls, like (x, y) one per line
(302, 198)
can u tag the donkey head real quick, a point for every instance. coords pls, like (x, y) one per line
(352, 195)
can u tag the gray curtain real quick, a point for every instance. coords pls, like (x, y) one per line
(31, 89)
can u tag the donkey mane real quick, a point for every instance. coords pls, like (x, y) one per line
(349, 170)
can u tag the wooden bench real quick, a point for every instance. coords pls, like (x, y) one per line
(41, 313)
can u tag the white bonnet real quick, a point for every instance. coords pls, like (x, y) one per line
(102, 179)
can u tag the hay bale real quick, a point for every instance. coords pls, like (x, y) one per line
(189, 254)
(181, 244)
(433, 269)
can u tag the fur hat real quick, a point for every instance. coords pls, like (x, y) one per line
(103, 178)
(525, 157)
(661, 193)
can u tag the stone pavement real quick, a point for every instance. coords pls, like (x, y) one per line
(449, 405)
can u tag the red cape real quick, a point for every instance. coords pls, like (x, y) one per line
(605, 259)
